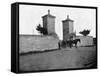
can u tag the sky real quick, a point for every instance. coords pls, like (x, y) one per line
(31, 15)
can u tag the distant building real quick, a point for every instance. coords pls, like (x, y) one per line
(68, 28)
(49, 22)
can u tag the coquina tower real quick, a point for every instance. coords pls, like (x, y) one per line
(49, 22)
(67, 28)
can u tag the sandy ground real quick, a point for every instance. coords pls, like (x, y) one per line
(81, 57)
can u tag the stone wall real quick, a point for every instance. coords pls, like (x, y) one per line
(29, 43)
(85, 40)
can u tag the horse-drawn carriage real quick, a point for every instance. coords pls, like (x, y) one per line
(69, 43)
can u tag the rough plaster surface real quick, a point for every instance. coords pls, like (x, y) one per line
(37, 43)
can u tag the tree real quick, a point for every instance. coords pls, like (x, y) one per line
(42, 30)
(84, 32)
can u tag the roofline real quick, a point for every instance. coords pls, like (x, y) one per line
(48, 15)
(68, 20)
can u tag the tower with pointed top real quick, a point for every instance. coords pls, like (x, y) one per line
(49, 22)
(67, 28)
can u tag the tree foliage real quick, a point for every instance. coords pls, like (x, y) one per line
(42, 30)
(85, 32)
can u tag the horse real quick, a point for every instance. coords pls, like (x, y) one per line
(75, 42)
(68, 43)
(71, 42)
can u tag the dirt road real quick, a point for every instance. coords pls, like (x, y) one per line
(81, 57)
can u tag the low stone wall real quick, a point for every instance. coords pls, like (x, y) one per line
(85, 41)
(29, 43)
